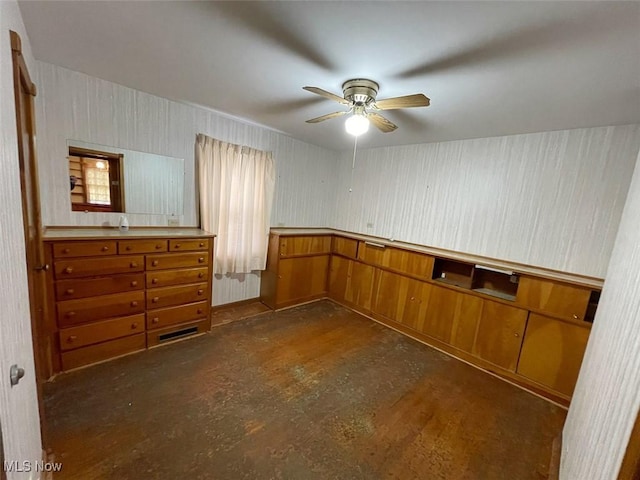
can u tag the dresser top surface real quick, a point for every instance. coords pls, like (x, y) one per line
(52, 234)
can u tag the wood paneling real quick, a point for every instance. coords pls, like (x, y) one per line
(102, 351)
(552, 352)
(304, 245)
(97, 332)
(565, 300)
(500, 332)
(345, 246)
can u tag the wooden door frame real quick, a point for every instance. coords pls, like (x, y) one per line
(35, 259)
(630, 468)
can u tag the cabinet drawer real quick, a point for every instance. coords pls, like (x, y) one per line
(84, 249)
(165, 317)
(165, 278)
(305, 245)
(164, 297)
(170, 334)
(84, 335)
(102, 351)
(90, 287)
(94, 267)
(397, 259)
(188, 244)
(345, 246)
(141, 246)
(177, 260)
(73, 312)
(564, 300)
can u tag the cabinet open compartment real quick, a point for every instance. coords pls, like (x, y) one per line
(497, 283)
(453, 272)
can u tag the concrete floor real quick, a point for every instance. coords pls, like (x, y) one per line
(314, 392)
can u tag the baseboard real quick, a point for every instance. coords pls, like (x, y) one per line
(554, 464)
(239, 303)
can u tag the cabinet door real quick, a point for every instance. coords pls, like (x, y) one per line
(352, 282)
(401, 299)
(552, 352)
(452, 317)
(568, 301)
(500, 333)
(305, 245)
(301, 278)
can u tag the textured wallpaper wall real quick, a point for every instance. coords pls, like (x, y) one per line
(607, 396)
(548, 199)
(76, 106)
(18, 405)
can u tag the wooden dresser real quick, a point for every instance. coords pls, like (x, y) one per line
(112, 293)
(526, 324)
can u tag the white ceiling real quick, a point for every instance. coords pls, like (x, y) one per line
(490, 68)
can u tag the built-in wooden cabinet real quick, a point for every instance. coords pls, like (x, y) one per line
(109, 297)
(529, 329)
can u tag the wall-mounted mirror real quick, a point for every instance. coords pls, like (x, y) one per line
(111, 179)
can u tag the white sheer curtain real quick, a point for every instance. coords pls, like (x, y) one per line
(236, 194)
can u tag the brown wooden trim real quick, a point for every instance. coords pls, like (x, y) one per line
(630, 468)
(16, 48)
(554, 463)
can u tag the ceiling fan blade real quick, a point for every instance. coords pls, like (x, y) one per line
(324, 93)
(327, 117)
(381, 123)
(408, 101)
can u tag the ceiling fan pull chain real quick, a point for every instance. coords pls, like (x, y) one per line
(353, 163)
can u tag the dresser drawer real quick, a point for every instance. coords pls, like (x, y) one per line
(177, 260)
(164, 297)
(188, 244)
(141, 246)
(102, 351)
(84, 249)
(165, 317)
(305, 245)
(94, 267)
(90, 287)
(73, 312)
(84, 335)
(165, 278)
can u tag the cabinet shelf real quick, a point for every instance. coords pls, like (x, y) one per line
(498, 284)
(452, 272)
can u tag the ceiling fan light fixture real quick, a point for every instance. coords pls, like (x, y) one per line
(356, 125)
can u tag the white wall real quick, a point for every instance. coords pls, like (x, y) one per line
(607, 396)
(76, 106)
(18, 405)
(547, 199)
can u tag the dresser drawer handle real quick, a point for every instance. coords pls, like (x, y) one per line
(128, 248)
(155, 320)
(134, 303)
(155, 263)
(200, 291)
(134, 283)
(71, 338)
(70, 314)
(66, 250)
(105, 248)
(201, 260)
(575, 316)
(158, 247)
(133, 264)
(134, 325)
(68, 270)
(199, 311)
(154, 280)
(177, 245)
(200, 275)
(155, 299)
(202, 244)
(70, 291)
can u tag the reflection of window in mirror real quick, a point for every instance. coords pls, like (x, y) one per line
(95, 180)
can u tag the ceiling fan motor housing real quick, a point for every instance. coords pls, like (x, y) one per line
(360, 91)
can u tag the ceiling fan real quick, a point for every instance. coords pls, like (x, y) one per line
(360, 96)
